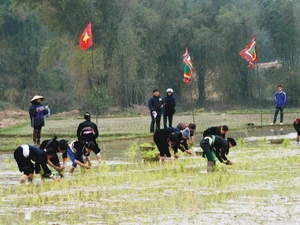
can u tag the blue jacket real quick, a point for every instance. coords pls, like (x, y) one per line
(280, 99)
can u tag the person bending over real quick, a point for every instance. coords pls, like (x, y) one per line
(30, 159)
(216, 147)
(77, 150)
(60, 146)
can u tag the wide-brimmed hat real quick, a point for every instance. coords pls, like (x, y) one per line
(37, 97)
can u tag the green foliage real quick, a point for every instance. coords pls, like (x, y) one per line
(241, 143)
(150, 153)
(286, 143)
(129, 192)
(132, 151)
(98, 100)
(138, 45)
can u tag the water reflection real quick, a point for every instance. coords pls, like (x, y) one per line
(276, 132)
(263, 132)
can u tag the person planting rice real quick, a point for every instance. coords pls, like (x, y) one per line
(220, 131)
(88, 131)
(165, 139)
(296, 125)
(192, 127)
(216, 147)
(30, 159)
(178, 140)
(59, 147)
(77, 150)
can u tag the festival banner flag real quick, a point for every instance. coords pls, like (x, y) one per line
(187, 68)
(250, 53)
(86, 38)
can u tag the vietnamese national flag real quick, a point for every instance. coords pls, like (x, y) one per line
(86, 38)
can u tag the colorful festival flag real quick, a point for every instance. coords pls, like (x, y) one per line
(86, 38)
(187, 68)
(250, 53)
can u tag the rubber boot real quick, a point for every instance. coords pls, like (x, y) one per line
(210, 166)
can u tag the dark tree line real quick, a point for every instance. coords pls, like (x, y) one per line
(138, 46)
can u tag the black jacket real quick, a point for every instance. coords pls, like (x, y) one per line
(52, 143)
(213, 131)
(78, 147)
(87, 131)
(220, 146)
(169, 105)
(155, 104)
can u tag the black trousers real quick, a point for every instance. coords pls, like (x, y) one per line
(25, 165)
(161, 140)
(168, 117)
(276, 114)
(155, 121)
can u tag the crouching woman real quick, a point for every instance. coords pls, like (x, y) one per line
(30, 159)
(76, 151)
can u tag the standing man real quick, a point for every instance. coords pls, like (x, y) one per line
(216, 147)
(169, 107)
(88, 131)
(37, 112)
(155, 105)
(280, 101)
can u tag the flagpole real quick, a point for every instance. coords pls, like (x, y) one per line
(259, 96)
(93, 69)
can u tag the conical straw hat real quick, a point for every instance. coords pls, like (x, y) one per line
(37, 97)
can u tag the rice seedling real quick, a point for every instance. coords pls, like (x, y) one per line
(143, 193)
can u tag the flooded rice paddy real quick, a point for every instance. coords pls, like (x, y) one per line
(261, 187)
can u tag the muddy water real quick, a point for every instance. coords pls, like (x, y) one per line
(113, 153)
(277, 209)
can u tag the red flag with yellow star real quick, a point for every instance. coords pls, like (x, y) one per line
(86, 38)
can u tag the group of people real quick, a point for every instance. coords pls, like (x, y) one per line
(169, 139)
(214, 144)
(161, 106)
(37, 157)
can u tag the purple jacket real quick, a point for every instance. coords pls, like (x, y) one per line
(37, 118)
